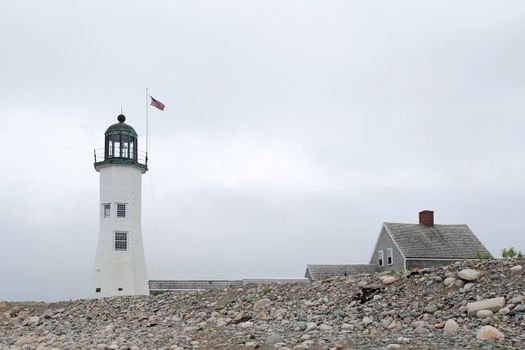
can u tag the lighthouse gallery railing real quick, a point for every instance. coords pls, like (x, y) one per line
(98, 153)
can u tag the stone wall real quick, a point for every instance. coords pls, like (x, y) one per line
(216, 284)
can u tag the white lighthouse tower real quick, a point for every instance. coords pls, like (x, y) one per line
(120, 267)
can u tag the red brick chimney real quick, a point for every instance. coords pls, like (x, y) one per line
(426, 217)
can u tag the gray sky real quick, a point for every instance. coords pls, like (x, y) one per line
(292, 130)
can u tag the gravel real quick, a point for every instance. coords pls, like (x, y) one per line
(425, 309)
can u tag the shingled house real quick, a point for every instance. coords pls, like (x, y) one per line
(403, 247)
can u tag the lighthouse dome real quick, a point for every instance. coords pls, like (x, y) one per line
(121, 127)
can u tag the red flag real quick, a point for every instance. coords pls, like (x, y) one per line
(157, 104)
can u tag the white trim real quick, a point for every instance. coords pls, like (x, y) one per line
(395, 243)
(393, 240)
(391, 256)
(381, 258)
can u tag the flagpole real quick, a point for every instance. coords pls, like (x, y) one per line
(147, 122)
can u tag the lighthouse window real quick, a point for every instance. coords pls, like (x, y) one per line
(121, 210)
(121, 241)
(106, 209)
(125, 150)
(116, 146)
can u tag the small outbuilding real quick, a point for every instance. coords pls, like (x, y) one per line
(403, 247)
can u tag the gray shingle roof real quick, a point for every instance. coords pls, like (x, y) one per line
(439, 241)
(319, 272)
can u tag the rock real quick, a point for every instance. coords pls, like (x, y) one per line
(419, 324)
(25, 339)
(386, 280)
(238, 317)
(260, 304)
(3, 305)
(489, 333)
(421, 331)
(367, 320)
(251, 344)
(516, 299)
(393, 346)
(469, 275)
(325, 327)
(484, 314)
(503, 311)
(516, 268)
(469, 286)
(300, 326)
(246, 324)
(310, 326)
(273, 339)
(519, 308)
(431, 308)
(494, 305)
(449, 282)
(450, 328)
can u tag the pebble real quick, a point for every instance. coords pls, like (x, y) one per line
(484, 314)
(450, 328)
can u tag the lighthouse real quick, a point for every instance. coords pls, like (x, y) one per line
(120, 267)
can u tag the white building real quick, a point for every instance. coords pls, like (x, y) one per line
(120, 267)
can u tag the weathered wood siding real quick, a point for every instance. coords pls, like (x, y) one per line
(384, 242)
(418, 264)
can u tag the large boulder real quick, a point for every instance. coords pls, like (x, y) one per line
(386, 280)
(494, 305)
(489, 333)
(469, 275)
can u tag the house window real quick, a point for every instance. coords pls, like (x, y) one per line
(106, 209)
(121, 241)
(381, 258)
(97, 290)
(121, 210)
(389, 256)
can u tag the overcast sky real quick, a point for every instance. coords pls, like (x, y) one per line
(292, 130)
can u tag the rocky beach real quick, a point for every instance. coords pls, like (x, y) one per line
(474, 304)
